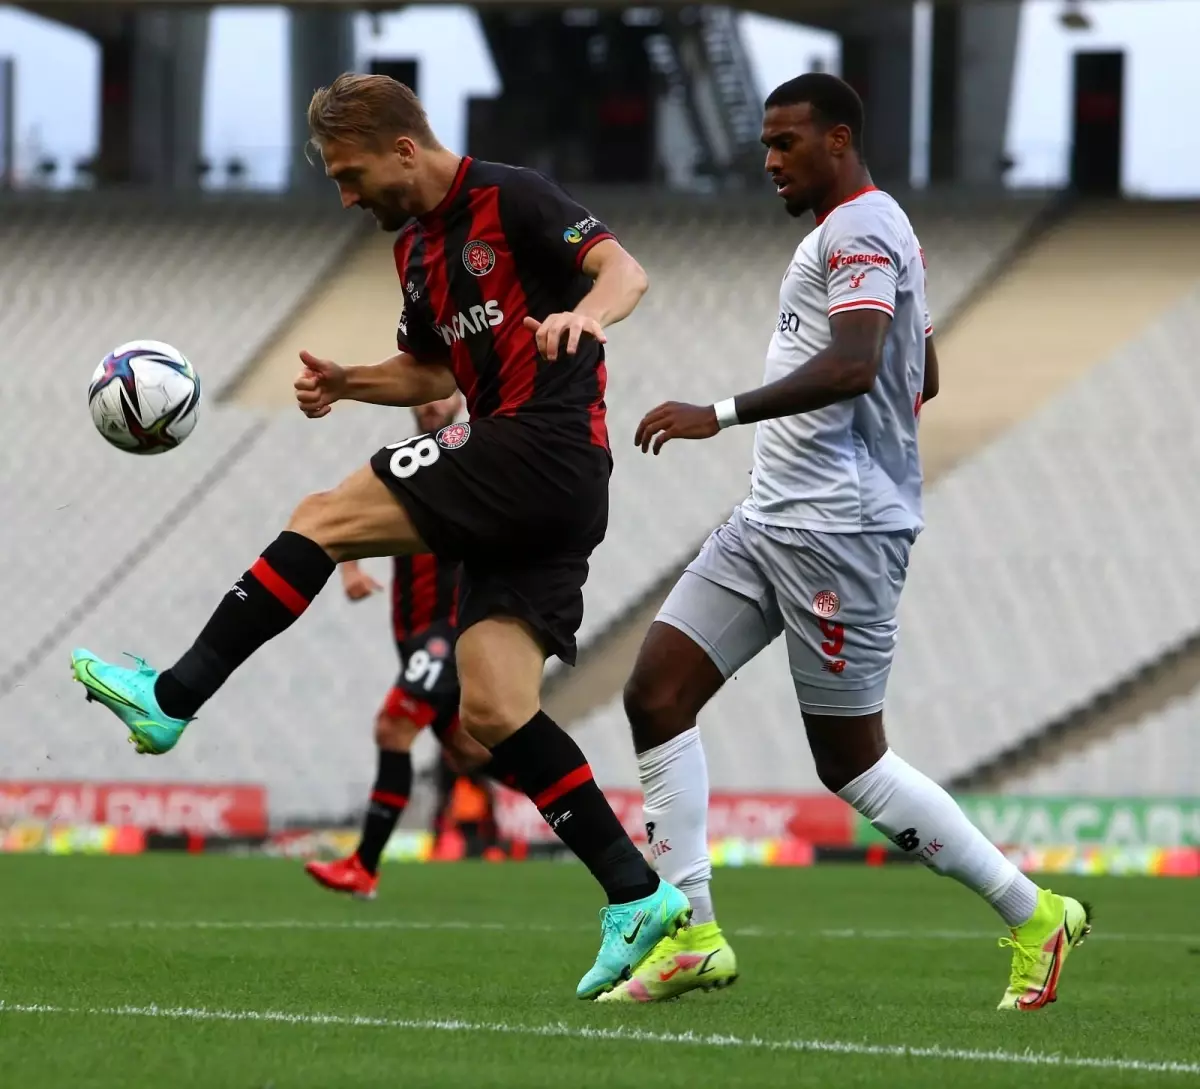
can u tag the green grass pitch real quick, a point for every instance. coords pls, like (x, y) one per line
(239, 973)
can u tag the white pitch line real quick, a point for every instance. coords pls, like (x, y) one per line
(535, 928)
(562, 1030)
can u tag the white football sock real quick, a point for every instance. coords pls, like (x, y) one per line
(675, 787)
(920, 817)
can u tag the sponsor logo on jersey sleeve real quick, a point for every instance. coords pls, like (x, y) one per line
(577, 232)
(838, 260)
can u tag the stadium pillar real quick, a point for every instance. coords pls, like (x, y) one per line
(322, 48)
(152, 87)
(974, 51)
(877, 61)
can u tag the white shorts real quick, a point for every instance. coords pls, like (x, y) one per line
(833, 594)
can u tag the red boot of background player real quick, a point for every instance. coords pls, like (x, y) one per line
(345, 875)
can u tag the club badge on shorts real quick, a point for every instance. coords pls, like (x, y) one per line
(454, 435)
(437, 647)
(478, 257)
(826, 604)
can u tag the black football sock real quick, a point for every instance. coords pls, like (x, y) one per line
(389, 796)
(552, 770)
(496, 770)
(259, 606)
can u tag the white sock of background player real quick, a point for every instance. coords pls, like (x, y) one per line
(905, 805)
(920, 817)
(675, 788)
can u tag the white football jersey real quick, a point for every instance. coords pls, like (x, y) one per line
(852, 467)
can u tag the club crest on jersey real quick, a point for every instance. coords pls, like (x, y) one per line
(479, 258)
(826, 604)
(437, 647)
(454, 435)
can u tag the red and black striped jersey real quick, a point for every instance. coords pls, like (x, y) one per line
(505, 243)
(424, 592)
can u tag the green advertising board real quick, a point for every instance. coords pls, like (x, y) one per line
(1066, 822)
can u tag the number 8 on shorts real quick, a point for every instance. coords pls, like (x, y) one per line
(419, 452)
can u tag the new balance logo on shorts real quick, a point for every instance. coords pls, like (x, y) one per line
(908, 840)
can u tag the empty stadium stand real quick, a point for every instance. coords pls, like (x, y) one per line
(296, 719)
(1157, 756)
(78, 278)
(1056, 566)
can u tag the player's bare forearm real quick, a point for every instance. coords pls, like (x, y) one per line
(930, 388)
(401, 381)
(618, 283)
(844, 370)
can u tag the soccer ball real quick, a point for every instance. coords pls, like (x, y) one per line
(144, 397)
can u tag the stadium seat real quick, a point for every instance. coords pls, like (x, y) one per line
(1157, 756)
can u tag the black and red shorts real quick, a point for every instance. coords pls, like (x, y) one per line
(426, 689)
(522, 502)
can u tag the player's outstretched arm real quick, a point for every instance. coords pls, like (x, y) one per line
(846, 369)
(618, 284)
(402, 381)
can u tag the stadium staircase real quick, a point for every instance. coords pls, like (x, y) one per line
(722, 96)
(350, 317)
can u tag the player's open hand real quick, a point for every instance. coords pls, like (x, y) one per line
(357, 583)
(318, 385)
(675, 420)
(550, 333)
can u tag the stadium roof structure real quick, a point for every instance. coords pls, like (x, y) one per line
(785, 9)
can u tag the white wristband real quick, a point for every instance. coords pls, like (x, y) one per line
(726, 413)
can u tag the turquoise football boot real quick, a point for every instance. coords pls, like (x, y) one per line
(628, 935)
(129, 694)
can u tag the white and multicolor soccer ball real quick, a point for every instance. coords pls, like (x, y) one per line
(144, 397)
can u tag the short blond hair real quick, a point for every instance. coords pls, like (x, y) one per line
(367, 110)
